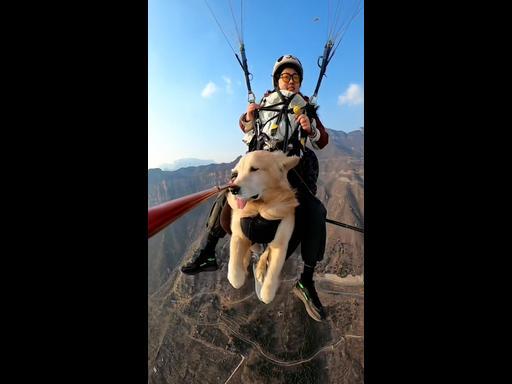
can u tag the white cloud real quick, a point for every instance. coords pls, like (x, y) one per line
(209, 89)
(354, 95)
(229, 88)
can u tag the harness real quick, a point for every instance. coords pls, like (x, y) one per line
(292, 145)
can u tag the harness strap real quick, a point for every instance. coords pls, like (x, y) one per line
(325, 60)
(269, 107)
(272, 118)
(245, 68)
(284, 111)
(298, 137)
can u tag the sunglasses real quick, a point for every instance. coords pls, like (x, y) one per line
(286, 77)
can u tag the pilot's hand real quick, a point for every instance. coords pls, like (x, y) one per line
(249, 115)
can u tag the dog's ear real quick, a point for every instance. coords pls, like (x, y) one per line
(290, 162)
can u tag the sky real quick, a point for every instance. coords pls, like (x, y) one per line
(196, 88)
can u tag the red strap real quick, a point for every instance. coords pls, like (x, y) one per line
(164, 214)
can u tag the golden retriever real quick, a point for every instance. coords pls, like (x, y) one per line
(260, 185)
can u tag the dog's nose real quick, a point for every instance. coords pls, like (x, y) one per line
(234, 189)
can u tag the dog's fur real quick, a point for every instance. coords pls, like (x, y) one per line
(261, 186)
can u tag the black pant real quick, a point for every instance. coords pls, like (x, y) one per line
(214, 225)
(310, 229)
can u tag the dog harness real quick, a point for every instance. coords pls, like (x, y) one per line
(258, 229)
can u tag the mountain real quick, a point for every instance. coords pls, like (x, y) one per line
(202, 330)
(167, 248)
(182, 163)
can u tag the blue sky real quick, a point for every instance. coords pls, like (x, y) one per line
(196, 88)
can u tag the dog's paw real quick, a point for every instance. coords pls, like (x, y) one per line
(261, 269)
(236, 279)
(268, 292)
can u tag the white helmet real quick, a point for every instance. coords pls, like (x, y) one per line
(286, 61)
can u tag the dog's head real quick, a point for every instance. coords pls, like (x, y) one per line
(258, 172)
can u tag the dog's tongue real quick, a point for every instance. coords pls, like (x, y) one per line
(241, 203)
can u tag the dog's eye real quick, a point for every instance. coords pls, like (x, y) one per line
(234, 175)
(253, 169)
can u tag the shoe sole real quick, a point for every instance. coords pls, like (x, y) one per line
(311, 312)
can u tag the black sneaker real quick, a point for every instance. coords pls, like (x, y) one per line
(203, 263)
(307, 293)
